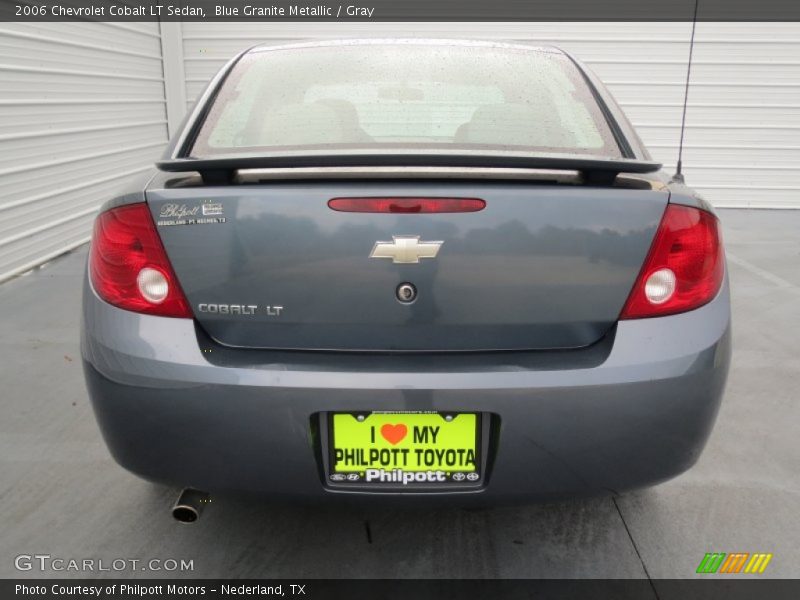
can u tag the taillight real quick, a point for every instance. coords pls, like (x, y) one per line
(684, 268)
(407, 205)
(129, 267)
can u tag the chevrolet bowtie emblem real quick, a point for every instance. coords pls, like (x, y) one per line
(405, 249)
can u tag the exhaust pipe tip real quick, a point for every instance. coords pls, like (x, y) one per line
(185, 514)
(189, 505)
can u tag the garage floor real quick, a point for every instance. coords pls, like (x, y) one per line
(63, 495)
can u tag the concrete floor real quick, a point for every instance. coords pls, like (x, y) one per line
(63, 495)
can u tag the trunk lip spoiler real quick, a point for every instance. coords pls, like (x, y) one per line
(332, 173)
(223, 169)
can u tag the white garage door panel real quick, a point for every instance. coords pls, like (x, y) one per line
(69, 198)
(760, 141)
(764, 177)
(743, 118)
(22, 86)
(111, 37)
(28, 252)
(766, 115)
(761, 156)
(660, 72)
(657, 50)
(66, 144)
(22, 118)
(720, 95)
(24, 49)
(21, 250)
(28, 186)
(82, 109)
(756, 197)
(749, 135)
(22, 82)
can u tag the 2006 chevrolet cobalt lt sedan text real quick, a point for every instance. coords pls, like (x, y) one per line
(406, 268)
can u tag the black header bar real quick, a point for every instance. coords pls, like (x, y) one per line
(399, 10)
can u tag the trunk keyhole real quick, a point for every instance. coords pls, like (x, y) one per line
(406, 293)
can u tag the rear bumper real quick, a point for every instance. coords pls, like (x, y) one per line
(630, 412)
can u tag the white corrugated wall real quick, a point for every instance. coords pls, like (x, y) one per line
(85, 105)
(82, 108)
(742, 142)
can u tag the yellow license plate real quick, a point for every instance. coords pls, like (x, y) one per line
(403, 448)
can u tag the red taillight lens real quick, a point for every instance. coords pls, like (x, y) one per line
(407, 205)
(128, 265)
(684, 268)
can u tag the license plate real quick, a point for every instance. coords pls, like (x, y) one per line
(404, 448)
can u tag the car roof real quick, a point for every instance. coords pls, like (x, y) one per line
(461, 43)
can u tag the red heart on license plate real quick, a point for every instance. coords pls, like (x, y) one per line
(394, 434)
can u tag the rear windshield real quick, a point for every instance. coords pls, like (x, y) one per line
(373, 96)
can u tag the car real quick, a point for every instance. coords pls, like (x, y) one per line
(406, 270)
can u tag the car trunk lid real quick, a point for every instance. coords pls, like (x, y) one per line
(271, 265)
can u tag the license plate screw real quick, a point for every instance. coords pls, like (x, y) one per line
(448, 418)
(361, 418)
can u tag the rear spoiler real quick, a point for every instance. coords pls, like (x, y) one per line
(224, 169)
